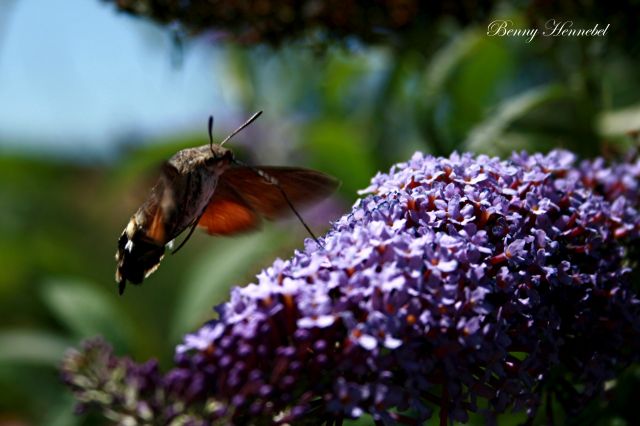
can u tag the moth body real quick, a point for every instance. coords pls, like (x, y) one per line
(207, 187)
(176, 202)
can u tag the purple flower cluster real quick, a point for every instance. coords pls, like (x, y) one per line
(458, 284)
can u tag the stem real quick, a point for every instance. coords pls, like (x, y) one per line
(444, 411)
(550, 421)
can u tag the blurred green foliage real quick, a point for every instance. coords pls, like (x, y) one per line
(348, 111)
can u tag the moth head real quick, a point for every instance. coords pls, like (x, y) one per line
(218, 156)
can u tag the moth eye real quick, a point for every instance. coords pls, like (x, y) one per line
(213, 160)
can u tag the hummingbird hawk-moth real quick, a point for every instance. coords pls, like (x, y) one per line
(207, 187)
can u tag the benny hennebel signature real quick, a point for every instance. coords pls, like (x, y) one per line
(553, 28)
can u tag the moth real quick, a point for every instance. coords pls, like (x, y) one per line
(207, 187)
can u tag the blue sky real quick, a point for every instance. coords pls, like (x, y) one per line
(77, 72)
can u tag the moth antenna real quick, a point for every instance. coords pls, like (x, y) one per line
(273, 181)
(246, 123)
(211, 134)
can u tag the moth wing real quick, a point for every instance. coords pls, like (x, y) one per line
(228, 213)
(302, 186)
(159, 207)
(142, 243)
(157, 229)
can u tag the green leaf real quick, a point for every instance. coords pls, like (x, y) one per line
(619, 122)
(32, 346)
(445, 61)
(61, 413)
(224, 264)
(88, 311)
(471, 94)
(339, 148)
(451, 94)
(484, 136)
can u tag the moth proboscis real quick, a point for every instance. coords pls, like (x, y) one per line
(207, 187)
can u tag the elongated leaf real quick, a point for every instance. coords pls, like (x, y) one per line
(437, 77)
(338, 148)
(619, 122)
(62, 413)
(444, 62)
(485, 135)
(88, 311)
(32, 346)
(218, 268)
